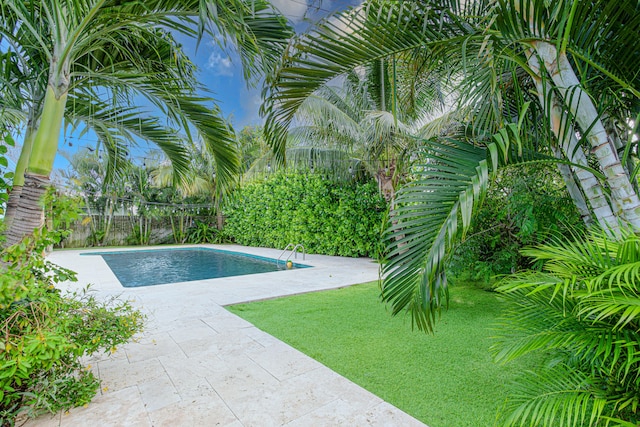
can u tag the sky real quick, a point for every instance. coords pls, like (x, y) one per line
(221, 73)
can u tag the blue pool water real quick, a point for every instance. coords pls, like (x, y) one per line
(160, 266)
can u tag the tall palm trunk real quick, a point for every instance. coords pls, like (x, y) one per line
(565, 134)
(574, 190)
(586, 115)
(18, 178)
(29, 213)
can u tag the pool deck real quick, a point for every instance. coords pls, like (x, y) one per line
(196, 364)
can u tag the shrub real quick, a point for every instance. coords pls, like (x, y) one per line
(6, 177)
(44, 333)
(523, 208)
(201, 232)
(580, 316)
(327, 217)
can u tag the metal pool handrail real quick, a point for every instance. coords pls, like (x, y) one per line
(294, 251)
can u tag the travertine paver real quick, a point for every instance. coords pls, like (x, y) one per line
(196, 364)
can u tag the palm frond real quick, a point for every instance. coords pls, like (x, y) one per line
(426, 226)
(582, 313)
(536, 320)
(433, 212)
(347, 40)
(258, 34)
(383, 126)
(331, 119)
(559, 396)
(446, 124)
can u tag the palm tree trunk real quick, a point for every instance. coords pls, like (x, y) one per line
(219, 216)
(565, 134)
(586, 115)
(614, 134)
(29, 210)
(109, 213)
(29, 213)
(574, 191)
(12, 203)
(18, 176)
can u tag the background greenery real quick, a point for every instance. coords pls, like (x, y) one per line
(327, 217)
(524, 207)
(6, 176)
(445, 380)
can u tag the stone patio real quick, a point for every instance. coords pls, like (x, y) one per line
(196, 364)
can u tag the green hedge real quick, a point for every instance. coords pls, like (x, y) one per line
(327, 217)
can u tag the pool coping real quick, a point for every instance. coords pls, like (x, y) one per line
(328, 273)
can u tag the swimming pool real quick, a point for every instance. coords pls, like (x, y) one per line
(137, 268)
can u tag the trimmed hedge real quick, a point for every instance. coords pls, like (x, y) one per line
(327, 217)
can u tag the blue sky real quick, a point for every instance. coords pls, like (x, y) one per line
(221, 73)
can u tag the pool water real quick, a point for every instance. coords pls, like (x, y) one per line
(161, 266)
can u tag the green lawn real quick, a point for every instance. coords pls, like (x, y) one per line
(445, 380)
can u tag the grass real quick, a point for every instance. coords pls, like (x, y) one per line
(444, 380)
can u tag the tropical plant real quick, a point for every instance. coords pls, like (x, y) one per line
(201, 181)
(124, 49)
(201, 232)
(520, 210)
(360, 125)
(114, 123)
(252, 145)
(526, 74)
(580, 316)
(102, 198)
(45, 334)
(61, 211)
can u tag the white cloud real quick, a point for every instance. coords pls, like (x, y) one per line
(220, 64)
(295, 10)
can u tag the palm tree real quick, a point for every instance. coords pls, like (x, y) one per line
(489, 50)
(93, 47)
(360, 118)
(201, 180)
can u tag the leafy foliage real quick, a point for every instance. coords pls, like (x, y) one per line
(44, 334)
(524, 207)
(201, 232)
(61, 210)
(326, 217)
(582, 313)
(484, 49)
(6, 177)
(435, 211)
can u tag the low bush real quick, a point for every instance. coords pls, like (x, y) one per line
(327, 217)
(580, 317)
(202, 232)
(44, 334)
(6, 176)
